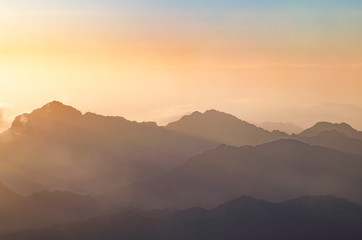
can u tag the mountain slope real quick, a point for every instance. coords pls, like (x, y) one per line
(313, 218)
(274, 171)
(97, 153)
(7, 197)
(43, 209)
(335, 140)
(223, 128)
(326, 126)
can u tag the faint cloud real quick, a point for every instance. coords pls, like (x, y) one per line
(5, 116)
(4, 123)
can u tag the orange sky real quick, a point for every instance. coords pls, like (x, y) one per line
(259, 63)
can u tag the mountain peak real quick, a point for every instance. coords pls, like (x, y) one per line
(327, 126)
(54, 103)
(213, 111)
(56, 107)
(51, 113)
(209, 119)
(225, 128)
(196, 113)
(219, 114)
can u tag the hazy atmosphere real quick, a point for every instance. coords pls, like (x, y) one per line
(280, 61)
(174, 120)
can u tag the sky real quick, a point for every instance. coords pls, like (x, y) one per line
(155, 60)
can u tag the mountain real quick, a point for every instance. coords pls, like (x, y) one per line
(289, 128)
(223, 128)
(326, 126)
(43, 209)
(57, 147)
(313, 218)
(6, 195)
(335, 140)
(274, 171)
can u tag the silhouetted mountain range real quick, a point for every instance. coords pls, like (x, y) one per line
(101, 154)
(182, 165)
(274, 171)
(43, 209)
(312, 218)
(223, 128)
(57, 148)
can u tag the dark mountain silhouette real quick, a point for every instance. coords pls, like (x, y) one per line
(326, 126)
(289, 128)
(274, 171)
(43, 209)
(56, 147)
(312, 218)
(334, 139)
(223, 128)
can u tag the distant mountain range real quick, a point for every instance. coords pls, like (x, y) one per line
(43, 209)
(274, 171)
(56, 156)
(289, 127)
(57, 147)
(223, 128)
(101, 154)
(312, 218)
